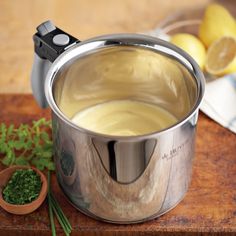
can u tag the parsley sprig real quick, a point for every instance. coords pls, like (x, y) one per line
(27, 144)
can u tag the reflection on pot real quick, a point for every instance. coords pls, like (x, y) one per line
(66, 161)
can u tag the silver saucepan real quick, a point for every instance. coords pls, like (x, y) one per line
(119, 178)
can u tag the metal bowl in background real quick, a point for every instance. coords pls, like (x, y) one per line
(189, 19)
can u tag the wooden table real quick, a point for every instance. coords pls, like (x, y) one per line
(209, 207)
(81, 18)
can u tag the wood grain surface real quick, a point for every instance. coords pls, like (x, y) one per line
(81, 18)
(209, 207)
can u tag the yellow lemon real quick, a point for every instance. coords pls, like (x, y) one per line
(192, 45)
(217, 22)
(221, 56)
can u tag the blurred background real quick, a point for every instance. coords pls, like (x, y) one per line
(81, 18)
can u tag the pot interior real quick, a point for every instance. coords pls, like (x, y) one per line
(125, 73)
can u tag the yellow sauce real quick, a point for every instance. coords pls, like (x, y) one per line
(124, 118)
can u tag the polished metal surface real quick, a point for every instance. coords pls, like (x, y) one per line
(87, 173)
(114, 178)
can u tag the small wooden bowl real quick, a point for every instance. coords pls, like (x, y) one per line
(5, 175)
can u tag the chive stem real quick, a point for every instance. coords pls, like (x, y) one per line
(50, 208)
(63, 216)
(60, 215)
(67, 232)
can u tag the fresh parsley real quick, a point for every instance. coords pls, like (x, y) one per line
(27, 144)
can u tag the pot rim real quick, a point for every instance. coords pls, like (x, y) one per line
(137, 40)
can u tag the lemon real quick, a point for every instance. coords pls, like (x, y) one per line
(192, 45)
(221, 56)
(217, 22)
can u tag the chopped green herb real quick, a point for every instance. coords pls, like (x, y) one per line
(23, 187)
(27, 144)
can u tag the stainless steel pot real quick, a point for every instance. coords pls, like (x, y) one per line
(113, 178)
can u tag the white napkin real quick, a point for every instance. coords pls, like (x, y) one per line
(219, 102)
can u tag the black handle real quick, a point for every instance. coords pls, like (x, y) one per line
(50, 41)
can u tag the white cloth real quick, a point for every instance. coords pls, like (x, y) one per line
(219, 102)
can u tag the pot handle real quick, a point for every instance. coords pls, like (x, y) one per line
(49, 43)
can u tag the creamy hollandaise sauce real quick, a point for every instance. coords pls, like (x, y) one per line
(124, 118)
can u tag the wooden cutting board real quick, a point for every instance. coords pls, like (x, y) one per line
(209, 207)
